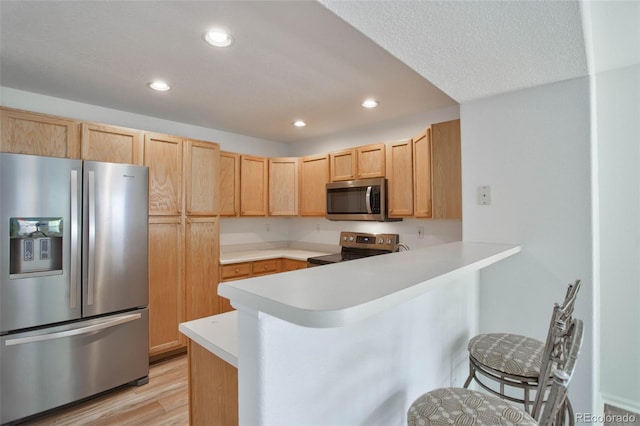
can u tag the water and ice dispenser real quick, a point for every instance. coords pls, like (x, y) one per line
(35, 247)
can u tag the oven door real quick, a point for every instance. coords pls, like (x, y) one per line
(357, 200)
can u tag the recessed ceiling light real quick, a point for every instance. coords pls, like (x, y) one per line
(299, 123)
(369, 103)
(218, 38)
(159, 85)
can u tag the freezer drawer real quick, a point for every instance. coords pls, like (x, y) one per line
(51, 367)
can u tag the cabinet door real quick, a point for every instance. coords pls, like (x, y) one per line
(400, 178)
(166, 289)
(201, 172)
(235, 271)
(314, 176)
(38, 134)
(422, 202)
(446, 170)
(292, 264)
(201, 260)
(163, 156)
(264, 267)
(253, 185)
(283, 186)
(213, 388)
(229, 184)
(371, 161)
(111, 144)
(343, 165)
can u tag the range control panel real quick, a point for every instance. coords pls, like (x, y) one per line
(369, 241)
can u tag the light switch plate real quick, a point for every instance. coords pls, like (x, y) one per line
(484, 195)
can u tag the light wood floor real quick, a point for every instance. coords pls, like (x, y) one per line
(161, 402)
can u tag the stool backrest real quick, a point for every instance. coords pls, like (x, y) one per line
(553, 408)
(556, 349)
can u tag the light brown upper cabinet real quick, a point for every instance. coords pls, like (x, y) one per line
(31, 133)
(201, 173)
(314, 176)
(371, 161)
(253, 185)
(400, 178)
(363, 162)
(229, 184)
(422, 196)
(111, 144)
(446, 170)
(343, 165)
(283, 186)
(163, 156)
(437, 172)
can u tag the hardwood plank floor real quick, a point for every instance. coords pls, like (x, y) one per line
(163, 401)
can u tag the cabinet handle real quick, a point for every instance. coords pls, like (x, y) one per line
(237, 270)
(265, 266)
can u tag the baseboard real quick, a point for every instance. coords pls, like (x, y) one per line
(625, 404)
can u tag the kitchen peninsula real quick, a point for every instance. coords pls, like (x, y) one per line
(349, 343)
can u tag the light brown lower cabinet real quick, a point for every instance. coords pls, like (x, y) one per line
(292, 264)
(213, 389)
(166, 285)
(201, 260)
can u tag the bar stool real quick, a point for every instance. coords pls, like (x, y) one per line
(514, 360)
(459, 406)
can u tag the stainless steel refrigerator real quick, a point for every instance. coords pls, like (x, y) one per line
(73, 286)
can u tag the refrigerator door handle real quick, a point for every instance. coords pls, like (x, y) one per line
(75, 332)
(73, 273)
(92, 237)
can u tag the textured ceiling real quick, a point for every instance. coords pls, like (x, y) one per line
(290, 60)
(474, 49)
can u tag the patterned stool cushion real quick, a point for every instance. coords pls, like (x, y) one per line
(464, 407)
(509, 353)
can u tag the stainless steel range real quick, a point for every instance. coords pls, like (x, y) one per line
(356, 245)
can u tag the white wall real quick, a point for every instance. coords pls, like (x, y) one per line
(323, 231)
(19, 99)
(365, 373)
(533, 148)
(618, 135)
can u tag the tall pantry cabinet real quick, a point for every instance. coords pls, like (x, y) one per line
(183, 235)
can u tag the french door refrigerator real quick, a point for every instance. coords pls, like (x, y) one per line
(73, 285)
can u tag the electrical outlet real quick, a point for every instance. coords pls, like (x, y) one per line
(421, 232)
(318, 227)
(484, 195)
(267, 227)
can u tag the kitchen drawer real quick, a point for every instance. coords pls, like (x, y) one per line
(292, 264)
(235, 270)
(265, 267)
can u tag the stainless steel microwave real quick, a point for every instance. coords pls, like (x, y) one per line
(364, 199)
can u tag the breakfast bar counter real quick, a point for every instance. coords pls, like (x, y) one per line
(342, 293)
(353, 342)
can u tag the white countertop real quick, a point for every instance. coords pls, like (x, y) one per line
(252, 255)
(342, 293)
(218, 334)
